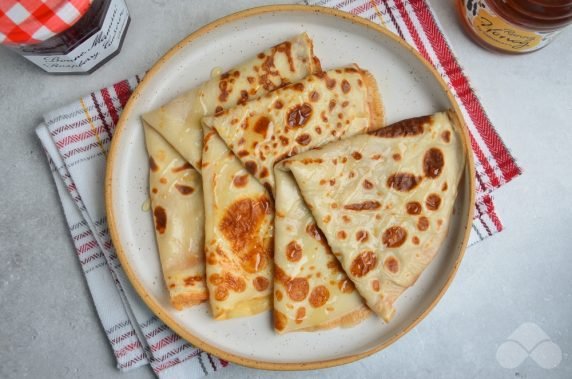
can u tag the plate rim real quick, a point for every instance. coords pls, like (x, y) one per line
(157, 309)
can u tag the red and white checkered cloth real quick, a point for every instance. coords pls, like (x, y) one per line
(33, 21)
(76, 139)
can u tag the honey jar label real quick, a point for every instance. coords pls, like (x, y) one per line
(500, 33)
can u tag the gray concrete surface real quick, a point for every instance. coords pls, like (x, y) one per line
(48, 328)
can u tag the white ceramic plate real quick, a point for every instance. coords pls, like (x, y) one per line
(409, 87)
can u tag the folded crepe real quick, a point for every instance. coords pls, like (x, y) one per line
(238, 234)
(311, 291)
(318, 109)
(179, 120)
(177, 202)
(384, 201)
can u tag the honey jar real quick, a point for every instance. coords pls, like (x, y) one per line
(514, 26)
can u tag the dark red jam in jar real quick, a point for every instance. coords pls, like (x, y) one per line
(64, 36)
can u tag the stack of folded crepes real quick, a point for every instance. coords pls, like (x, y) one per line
(277, 185)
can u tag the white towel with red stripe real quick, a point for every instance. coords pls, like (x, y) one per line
(76, 139)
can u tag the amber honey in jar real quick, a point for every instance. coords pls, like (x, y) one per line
(514, 26)
(64, 36)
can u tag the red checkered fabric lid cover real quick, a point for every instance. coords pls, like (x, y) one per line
(24, 22)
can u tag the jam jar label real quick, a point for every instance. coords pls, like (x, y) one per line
(494, 30)
(92, 51)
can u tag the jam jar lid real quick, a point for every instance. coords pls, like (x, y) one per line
(25, 22)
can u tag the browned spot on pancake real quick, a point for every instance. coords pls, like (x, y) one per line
(280, 275)
(191, 280)
(392, 265)
(346, 219)
(278, 295)
(278, 104)
(300, 315)
(323, 181)
(304, 139)
(299, 115)
(154, 190)
(341, 235)
(307, 161)
(243, 97)
(160, 219)
(251, 167)
(218, 110)
(297, 289)
(314, 96)
(362, 236)
(367, 184)
(375, 285)
(284, 140)
(260, 283)
(184, 190)
(152, 165)
(211, 259)
(340, 115)
(280, 320)
(345, 104)
(433, 163)
(365, 205)
(415, 240)
(261, 126)
(439, 222)
(221, 293)
(318, 130)
(446, 136)
(346, 286)
(293, 251)
(261, 56)
(264, 173)
(334, 205)
(346, 87)
(351, 174)
(396, 157)
(327, 219)
(183, 167)
(298, 87)
(332, 104)
(406, 128)
(413, 207)
(240, 226)
(444, 187)
(172, 285)
(240, 180)
(356, 155)
(319, 296)
(433, 202)
(363, 264)
(376, 157)
(423, 223)
(332, 182)
(317, 234)
(250, 79)
(402, 182)
(241, 141)
(394, 236)
(242, 153)
(359, 82)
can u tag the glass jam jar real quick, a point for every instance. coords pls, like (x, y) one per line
(514, 26)
(64, 36)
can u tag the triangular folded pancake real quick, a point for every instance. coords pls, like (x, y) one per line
(311, 291)
(179, 120)
(177, 203)
(318, 109)
(238, 234)
(384, 200)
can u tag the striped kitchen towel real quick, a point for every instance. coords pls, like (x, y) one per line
(76, 139)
